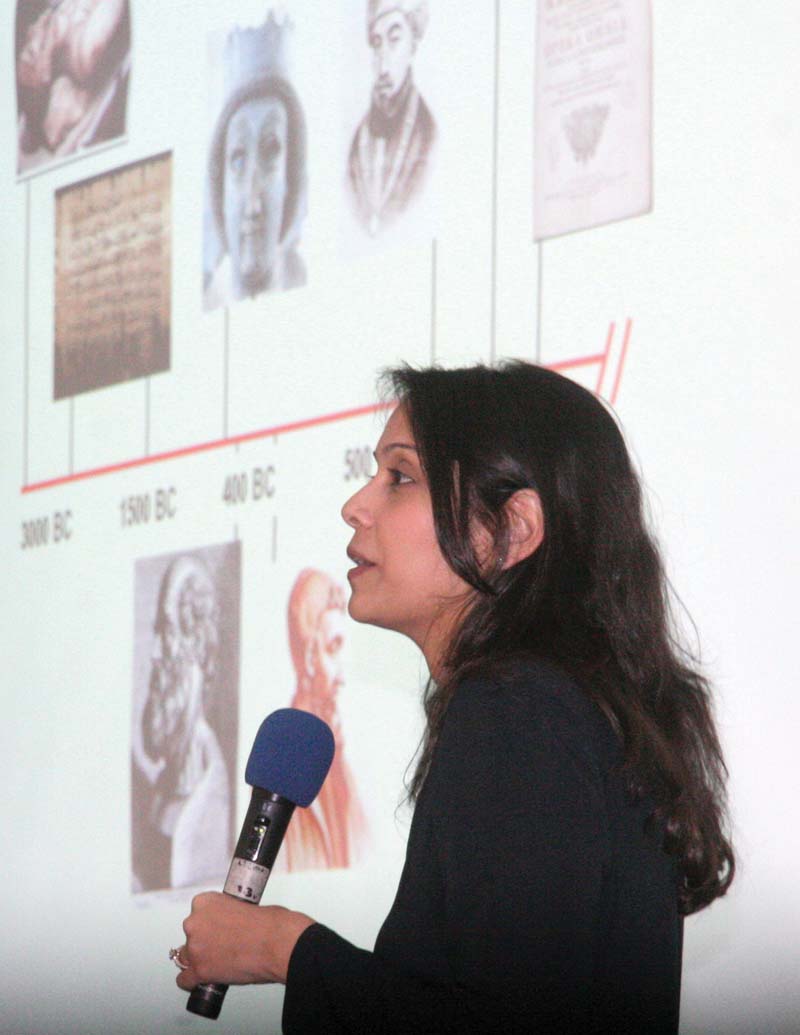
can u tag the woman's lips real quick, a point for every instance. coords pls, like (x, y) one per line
(361, 564)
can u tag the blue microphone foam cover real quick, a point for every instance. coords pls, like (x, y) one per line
(291, 755)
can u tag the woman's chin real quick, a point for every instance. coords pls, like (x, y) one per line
(357, 611)
(360, 610)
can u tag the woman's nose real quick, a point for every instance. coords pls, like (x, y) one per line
(355, 511)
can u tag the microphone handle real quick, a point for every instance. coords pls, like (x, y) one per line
(264, 825)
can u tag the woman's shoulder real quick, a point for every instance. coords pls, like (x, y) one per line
(530, 684)
(521, 735)
(526, 703)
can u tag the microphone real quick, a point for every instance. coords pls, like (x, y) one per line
(288, 763)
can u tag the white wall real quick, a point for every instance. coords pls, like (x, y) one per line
(708, 281)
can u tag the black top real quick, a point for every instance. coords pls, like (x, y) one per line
(531, 898)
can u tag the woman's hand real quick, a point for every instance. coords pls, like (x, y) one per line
(237, 943)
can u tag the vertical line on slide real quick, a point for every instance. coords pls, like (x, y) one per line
(72, 434)
(539, 281)
(495, 114)
(147, 416)
(225, 378)
(433, 301)
(26, 334)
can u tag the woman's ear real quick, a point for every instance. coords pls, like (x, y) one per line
(525, 526)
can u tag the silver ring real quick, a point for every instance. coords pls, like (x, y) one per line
(177, 959)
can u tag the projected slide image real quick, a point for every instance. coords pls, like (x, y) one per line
(256, 188)
(331, 833)
(390, 152)
(185, 716)
(113, 277)
(72, 60)
(592, 122)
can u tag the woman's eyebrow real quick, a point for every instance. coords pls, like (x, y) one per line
(395, 445)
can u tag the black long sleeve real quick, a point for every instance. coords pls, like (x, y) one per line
(336, 988)
(531, 899)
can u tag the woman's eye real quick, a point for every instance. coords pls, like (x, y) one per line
(398, 477)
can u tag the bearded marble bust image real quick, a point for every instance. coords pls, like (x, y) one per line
(186, 822)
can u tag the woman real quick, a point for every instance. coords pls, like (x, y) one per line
(569, 789)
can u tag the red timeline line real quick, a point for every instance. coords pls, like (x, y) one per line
(602, 359)
(311, 422)
(205, 447)
(580, 361)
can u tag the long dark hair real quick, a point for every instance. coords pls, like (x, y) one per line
(593, 597)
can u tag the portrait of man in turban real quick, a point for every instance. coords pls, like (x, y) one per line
(391, 148)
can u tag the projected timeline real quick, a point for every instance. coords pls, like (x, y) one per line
(210, 287)
(120, 242)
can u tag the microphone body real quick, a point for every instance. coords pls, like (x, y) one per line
(292, 752)
(262, 833)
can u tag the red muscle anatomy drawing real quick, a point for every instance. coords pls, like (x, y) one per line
(331, 833)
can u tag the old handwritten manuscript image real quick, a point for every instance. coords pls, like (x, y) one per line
(113, 277)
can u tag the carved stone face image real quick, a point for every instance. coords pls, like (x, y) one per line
(255, 192)
(393, 45)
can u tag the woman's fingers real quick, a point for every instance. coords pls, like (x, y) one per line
(237, 943)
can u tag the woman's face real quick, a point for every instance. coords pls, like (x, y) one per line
(401, 581)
